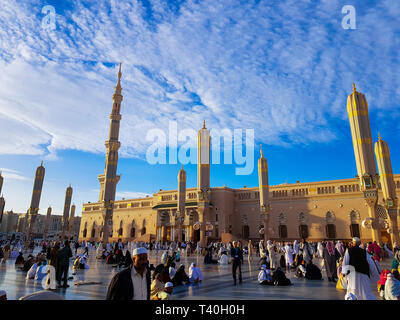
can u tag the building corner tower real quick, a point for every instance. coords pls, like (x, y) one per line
(109, 180)
(264, 193)
(203, 179)
(357, 109)
(390, 200)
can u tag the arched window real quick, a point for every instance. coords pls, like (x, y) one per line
(133, 230)
(330, 217)
(120, 230)
(144, 227)
(282, 231)
(93, 230)
(330, 231)
(282, 218)
(245, 232)
(355, 230)
(85, 230)
(303, 231)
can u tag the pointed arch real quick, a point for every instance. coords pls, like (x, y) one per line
(143, 231)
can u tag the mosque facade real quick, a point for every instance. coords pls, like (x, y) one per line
(365, 206)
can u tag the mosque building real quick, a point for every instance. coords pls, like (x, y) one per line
(365, 206)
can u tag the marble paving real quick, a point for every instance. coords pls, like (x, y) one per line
(217, 284)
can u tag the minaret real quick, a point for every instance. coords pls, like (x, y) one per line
(203, 179)
(263, 187)
(203, 158)
(357, 109)
(181, 201)
(1, 182)
(67, 204)
(109, 185)
(71, 221)
(382, 154)
(2, 205)
(34, 208)
(2, 201)
(47, 224)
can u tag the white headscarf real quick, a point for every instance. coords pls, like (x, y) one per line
(195, 272)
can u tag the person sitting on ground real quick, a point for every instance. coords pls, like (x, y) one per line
(265, 276)
(382, 281)
(195, 274)
(20, 259)
(166, 294)
(41, 271)
(392, 287)
(28, 264)
(111, 259)
(279, 278)
(224, 258)
(180, 277)
(312, 272)
(32, 271)
(300, 271)
(208, 258)
(158, 283)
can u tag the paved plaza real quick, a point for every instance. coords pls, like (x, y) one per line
(217, 284)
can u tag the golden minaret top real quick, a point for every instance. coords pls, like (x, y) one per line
(262, 156)
(354, 88)
(204, 124)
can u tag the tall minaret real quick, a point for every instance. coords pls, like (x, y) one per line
(181, 201)
(203, 179)
(203, 158)
(111, 179)
(357, 108)
(71, 220)
(1, 182)
(34, 208)
(263, 187)
(67, 204)
(2, 201)
(2, 205)
(47, 223)
(382, 154)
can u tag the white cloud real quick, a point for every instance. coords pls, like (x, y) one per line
(11, 174)
(284, 69)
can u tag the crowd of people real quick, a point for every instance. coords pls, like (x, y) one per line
(351, 265)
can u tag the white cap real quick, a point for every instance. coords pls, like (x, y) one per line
(168, 285)
(139, 251)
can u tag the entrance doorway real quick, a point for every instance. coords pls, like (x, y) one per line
(386, 238)
(196, 235)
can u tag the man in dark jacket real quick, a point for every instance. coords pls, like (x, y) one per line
(132, 283)
(63, 264)
(237, 258)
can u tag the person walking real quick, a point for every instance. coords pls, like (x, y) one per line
(237, 259)
(63, 264)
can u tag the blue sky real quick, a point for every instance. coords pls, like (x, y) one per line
(282, 68)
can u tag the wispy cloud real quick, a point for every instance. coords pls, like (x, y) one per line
(283, 68)
(11, 174)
